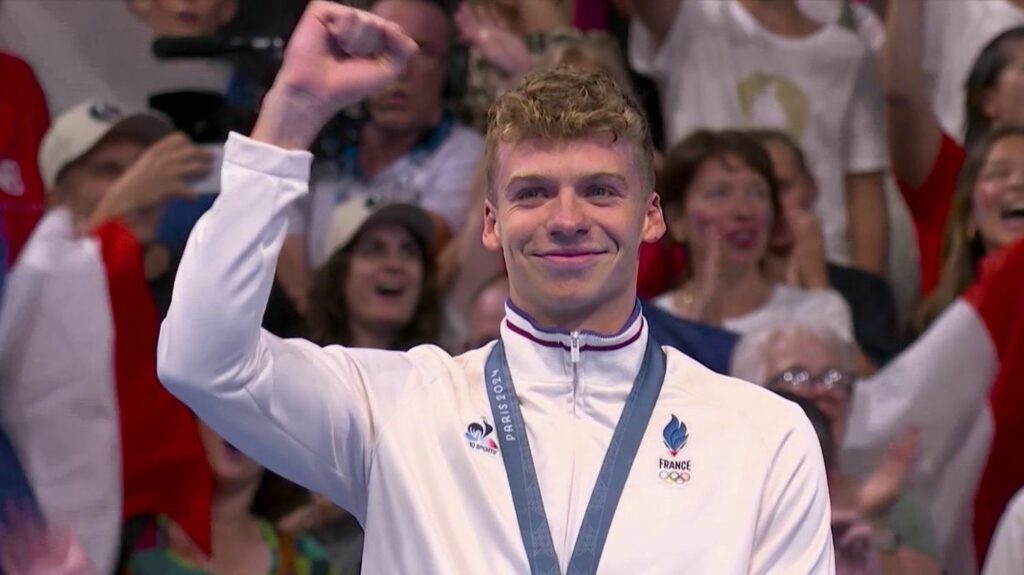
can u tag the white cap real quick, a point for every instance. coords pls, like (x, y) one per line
(352, 215)
(78, 130)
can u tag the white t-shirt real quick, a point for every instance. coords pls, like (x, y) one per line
(861, 19)
(437, 176)
(955, 33)
(718, 68)
(786, 303)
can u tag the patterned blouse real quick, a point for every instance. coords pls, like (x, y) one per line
(289, 555)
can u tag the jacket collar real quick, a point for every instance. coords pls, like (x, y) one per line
(584, 359)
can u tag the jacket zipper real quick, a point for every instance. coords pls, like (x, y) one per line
(574, 358)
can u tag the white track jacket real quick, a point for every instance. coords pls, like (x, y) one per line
(395, 438)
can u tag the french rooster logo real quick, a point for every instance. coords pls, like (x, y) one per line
(675, 435)
(480, 432)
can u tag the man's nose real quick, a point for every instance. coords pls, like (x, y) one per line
(568, 218)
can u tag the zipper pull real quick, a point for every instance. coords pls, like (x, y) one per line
(574, 347)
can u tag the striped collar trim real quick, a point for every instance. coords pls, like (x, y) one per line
(519, 323)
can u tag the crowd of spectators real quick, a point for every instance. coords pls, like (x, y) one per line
(843, 188)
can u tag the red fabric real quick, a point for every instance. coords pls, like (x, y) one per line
(997, 297)
(24, 120)
(662, 265)
(929, 206)
(163, 462)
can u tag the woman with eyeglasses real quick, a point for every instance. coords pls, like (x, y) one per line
(810, 360)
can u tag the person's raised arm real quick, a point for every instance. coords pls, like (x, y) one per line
(867, 213)
(308, 413)
(912, 129)
(337, 56)
(161, 172)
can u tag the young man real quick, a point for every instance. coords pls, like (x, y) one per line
(435, 454)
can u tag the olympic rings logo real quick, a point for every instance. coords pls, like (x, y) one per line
(676, 477)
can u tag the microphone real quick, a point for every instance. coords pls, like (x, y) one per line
(184, 47)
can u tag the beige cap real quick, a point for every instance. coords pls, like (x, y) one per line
(78, 130)
(355, 213)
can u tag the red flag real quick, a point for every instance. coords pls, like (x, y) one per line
(80, 395)
(999, 298)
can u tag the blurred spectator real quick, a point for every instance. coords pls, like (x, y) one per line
(176, 18)
(505, 39)
(242, 541)
(862, 17)
(487, 312)
(377, 289)
(796, 253)
(854, 540)
(813, 362)
(960, 383)
(23, 121)
(930, 165)
(985, 214)
(1006, 556)
(108, 442)
(954, 36)
(722, 202)
(82, 59)
(408, 150)
(744, 63)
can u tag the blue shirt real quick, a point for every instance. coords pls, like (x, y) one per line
(709, 345)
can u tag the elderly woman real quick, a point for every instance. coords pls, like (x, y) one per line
(813, 362)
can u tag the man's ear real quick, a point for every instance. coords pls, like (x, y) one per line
(654, 220)
(491, 235)
(226, 13)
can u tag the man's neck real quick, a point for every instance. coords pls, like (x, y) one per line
(782, 17)
(605, 319)
(379, 148)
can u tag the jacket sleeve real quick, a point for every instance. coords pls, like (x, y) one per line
(311, 414)
(794, 532)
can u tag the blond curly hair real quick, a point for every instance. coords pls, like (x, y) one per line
(567, 103)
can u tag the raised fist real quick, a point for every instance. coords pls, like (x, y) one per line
(336, 57)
